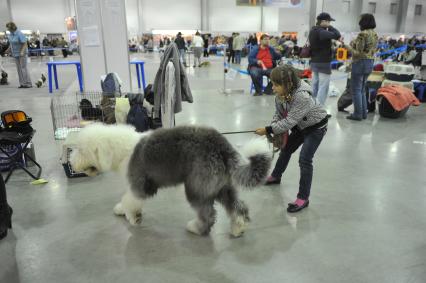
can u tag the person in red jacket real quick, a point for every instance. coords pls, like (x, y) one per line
(261, 62)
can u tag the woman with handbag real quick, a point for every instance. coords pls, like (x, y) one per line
(297, 111)
(5, 211)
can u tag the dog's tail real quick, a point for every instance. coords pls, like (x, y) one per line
(254, 166)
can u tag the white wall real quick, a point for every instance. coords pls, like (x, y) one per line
(345, 21)
(384, 20)
(167, 14)
(295, 19)
(418, 22)
(4, 14)
(271, 19)
(132, 18)
(225, 15)
(48, 16)
(386, 23)
(186, 15)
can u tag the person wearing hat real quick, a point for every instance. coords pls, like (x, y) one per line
(320, 40)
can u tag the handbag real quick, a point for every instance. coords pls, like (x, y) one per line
(278, 141)
(306, 50)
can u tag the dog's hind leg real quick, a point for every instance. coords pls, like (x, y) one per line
(236, 209)
(206, 217)
(206, 214)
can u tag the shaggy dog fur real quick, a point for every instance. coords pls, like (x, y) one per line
(200, 158)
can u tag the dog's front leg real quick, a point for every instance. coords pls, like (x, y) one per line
(130, 207)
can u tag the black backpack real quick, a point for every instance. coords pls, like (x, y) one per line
(149, 94)
(138, 115)
(111, 85)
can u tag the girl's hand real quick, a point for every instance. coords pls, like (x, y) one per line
(261, 131)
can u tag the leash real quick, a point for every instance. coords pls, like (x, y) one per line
(239, 132)
(269, 137)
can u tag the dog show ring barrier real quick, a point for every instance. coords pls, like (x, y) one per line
(224, 89)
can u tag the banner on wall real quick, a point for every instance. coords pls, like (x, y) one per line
(271, 3)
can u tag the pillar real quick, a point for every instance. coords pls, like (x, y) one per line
(102, 32)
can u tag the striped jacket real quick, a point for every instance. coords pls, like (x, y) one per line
(302, 111)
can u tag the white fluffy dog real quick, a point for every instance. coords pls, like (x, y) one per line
(101, 148)
(199, 157)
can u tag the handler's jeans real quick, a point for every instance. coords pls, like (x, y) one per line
(310, 143)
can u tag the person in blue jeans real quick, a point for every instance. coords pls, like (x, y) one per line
(363, 49)
(296, 111)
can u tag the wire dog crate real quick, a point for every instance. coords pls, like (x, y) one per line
(70, 113)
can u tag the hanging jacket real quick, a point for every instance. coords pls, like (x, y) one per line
(182, 91)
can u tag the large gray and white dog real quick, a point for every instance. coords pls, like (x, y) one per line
(199, 157)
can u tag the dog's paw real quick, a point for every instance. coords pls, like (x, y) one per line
(118, 209)
(134, 219)
(193, 226)
(238, 226)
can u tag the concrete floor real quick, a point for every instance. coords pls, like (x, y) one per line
(366, 221)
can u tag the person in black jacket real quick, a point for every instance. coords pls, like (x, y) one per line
(230, 49)
(5, 211)
(252, 40)
(320, 40)
(180, 42)
(206, 45)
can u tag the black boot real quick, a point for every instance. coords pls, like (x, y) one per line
(5, 220)
(5, 211)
